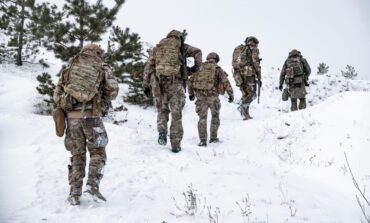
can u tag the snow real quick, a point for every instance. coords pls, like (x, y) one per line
(289, 166)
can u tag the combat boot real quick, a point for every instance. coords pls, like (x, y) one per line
(93, 192)
(202, 143)
(242, 112)
(162, 138)
(176, 149)
(215, 140)
(73, 199)
(247, 116)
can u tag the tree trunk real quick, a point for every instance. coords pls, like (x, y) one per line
(20, 36)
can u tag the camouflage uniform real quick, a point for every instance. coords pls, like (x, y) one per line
(296, 84)
(247, 73)
(169, 94)
(208, 99)
(86, 129)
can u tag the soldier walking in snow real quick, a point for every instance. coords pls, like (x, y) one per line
(247, 73)
(295, 73)
(83, 94)
(169, 59)
(206, 85)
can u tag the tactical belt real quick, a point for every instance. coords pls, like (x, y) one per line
(80, 114)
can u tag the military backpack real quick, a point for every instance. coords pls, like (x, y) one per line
(167, 57)
(84, 76)
(295, 70)
(205, 78)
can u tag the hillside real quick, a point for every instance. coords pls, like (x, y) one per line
(278, 167)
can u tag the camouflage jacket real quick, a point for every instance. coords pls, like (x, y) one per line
(222, 84)
(306, 66)
(149, 69)
(108, 90)
(247, 55)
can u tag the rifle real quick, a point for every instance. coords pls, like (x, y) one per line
(258, 92)
(184, 74)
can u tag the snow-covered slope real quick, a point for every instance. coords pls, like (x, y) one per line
(279, 167)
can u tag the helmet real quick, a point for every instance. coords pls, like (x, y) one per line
(213, 56)
(294, 53)
(250, 40)
(174, 33)
(92, 49)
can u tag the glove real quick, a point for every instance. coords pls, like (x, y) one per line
(280, 87)
(260, 83)
(231, 99)
(147, 92)
(191, 97)
(194, 69)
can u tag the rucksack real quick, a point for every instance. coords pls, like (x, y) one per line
(294, 67)
(84, 77)
(167, 57)
(205, 79)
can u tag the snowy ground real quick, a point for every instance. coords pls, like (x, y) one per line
(278, 167)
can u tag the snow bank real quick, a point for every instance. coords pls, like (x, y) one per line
(278, 167)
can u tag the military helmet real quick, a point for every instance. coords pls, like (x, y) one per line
(251, 40)
(294, 53)
(174, 33)
(213, 56)
(92, 49)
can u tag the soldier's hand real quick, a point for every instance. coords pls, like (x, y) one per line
(280, 87)
(260, 83)
(231, 99)
(147, 92)
(191, 97)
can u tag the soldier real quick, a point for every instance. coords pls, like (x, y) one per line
(247, 73)
(295, 72)
(206, 85)
(83, 94)
(167, 59)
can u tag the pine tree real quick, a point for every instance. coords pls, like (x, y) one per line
(322, 69)
(83, 22)
(19, 21)
(46, 87)
(350, 72)
(125, 55)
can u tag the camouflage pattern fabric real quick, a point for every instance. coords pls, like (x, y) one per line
(167, 53)
(205, 78)
(86, 133)
(295, 83)
(302, 104)
(247, 70)
(221, 84)
(169, 95)
(82, 133)
(107, 91)
(202, 105)
(208, 99)
(171, 100)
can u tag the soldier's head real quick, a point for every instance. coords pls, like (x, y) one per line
(174, 34)
(213, 57)
(92, 50)
(251, 41)
(294, 53)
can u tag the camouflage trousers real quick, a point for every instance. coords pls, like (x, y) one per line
(248, 90)
(171, 100)
(202, 105)
(82, 133)
(294, 101)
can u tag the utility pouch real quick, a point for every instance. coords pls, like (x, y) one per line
(60, 122)
(238, 79)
